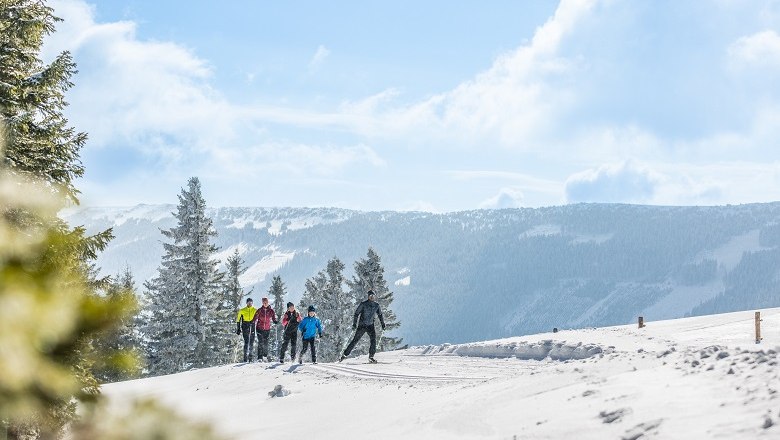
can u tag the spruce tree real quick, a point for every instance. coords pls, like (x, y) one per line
(370, 275)
(335, 310)
(277, 292)
(233, 290)
(32, 99)
(232, 299)
(124, 338)
(185, 330)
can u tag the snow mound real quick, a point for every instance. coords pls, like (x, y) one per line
(547, 349)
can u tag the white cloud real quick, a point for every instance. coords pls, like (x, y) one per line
(622, 183)
(419, 206)
(513, 101)
(758, 50)
(296, 158)
(319, 57)
(506, 198)
(154, 95)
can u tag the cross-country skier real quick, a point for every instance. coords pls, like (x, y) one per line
(365, 315)
(309, 327)
(290, 322)
(246, 327)
(264, 316)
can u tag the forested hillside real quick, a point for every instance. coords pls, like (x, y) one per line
(485, 274)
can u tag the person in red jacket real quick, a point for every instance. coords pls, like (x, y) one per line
(264, 316)
(290, 322)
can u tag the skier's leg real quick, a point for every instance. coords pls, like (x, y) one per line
(245, 334)
(293, 342)
(252, 332)
(372, 338)
(282, 352)
(303, 349)
(313, 351)
(262, 348)
(266, 342)
(358, 334)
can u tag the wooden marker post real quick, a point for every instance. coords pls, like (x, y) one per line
(758, 327)
(641, 322)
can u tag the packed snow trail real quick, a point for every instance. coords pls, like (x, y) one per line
(693, 378)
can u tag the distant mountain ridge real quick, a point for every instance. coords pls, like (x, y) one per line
(486, 274)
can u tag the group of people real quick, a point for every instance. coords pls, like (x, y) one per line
(252, 321)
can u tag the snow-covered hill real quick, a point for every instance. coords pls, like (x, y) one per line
(693, 378)
(492, 273)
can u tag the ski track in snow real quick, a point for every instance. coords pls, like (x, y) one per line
(361, 372)
(692, 378)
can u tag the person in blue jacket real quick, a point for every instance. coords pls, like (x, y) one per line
(310, 327)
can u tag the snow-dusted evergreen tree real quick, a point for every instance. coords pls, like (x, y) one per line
(40, 142)
(335, 309)
(370, 275)
(276, 293)
(185, 330)
(124, 338)
(233, 290)
(232, 300)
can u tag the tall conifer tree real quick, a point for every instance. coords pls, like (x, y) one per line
(232, 299)
(185, 330)
(32, 99)
(277, 292)
(335, 309)
(370, 275)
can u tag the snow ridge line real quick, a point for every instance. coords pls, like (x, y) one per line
(394, 376)
(554, 350)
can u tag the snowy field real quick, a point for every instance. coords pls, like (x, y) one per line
(694, 378)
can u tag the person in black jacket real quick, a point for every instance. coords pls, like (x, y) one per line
(290, 322)
(364, 314)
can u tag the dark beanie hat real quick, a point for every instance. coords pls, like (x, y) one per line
(249, 300)
(312, 309)
(290, 304)
(371, 292)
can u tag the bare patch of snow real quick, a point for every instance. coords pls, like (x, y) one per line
(595, 239)
(268, 264)
(541, 231)
(730, 254)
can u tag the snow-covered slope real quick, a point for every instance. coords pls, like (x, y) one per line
(693, 378)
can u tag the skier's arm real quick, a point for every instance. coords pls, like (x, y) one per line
(301, 325)
(357, 313)
(381, 318)
(285, 320)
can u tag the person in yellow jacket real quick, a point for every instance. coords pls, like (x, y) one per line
(246, 327)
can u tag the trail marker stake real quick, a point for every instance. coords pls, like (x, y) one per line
(758, 327)
(641, 322)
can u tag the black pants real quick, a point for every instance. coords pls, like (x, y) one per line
(289, 338)
(359, 334)
(306, 344)
(248, 332)
(262, 343)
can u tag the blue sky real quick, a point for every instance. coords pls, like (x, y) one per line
(436, 106)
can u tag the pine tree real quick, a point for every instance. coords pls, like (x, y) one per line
(233, 290)
(184, 330)
(124, 339)
(278, 291)
(370, 275)
(335, 309)
(232, 299)
(32, 99)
